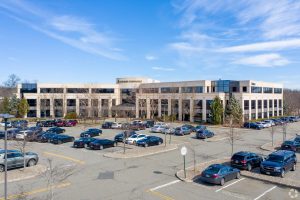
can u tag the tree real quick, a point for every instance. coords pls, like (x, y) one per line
(5, 105)
(23, 107)
(217, 110)
(12, 81)
(234, 110)
(13, 105)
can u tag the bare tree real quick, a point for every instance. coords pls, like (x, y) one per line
(284, 129)
(272, 131)
(232, 135)
(12, 81)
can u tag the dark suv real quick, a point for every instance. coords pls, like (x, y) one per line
(278, 163)
(246, 160)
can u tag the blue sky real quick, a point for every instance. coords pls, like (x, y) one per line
(96, 41)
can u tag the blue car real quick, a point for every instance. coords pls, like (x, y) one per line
(149, 141)
(46, 137)
(219, 174)
(182, 131)
(59, 139)
(91, 132)
(253, 125)
(204, 134)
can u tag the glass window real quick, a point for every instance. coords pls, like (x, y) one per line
(253, 104)
(275, 103)
(196, 89)
(270, 103)
(244, 89)
(51, 90)
(31, 102)
(246, 104)
(259, 103)
(29, 88)
(265, 103)
(280, 103)
(77, 90)
(170, 90)
(71, 102)
(150, 90)
(95, 102)
(268, 90)
(278, 90)
(103, 90)
(83, 102)
(255, 89)
(58, 102)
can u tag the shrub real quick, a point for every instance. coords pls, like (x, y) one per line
(71, 115)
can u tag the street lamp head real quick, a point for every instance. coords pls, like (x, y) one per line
(6, 116)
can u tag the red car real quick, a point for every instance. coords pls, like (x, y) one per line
(71, 123)
(60, 123)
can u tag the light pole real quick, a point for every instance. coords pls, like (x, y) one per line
(5, 117)
(183, 152)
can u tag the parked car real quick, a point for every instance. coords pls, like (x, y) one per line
(149, 141)
(290, 145)
(23, 134)
(158, 128)
(71, 123)
(60, 123)
(91, 132)
(149, 123)
(83, 142)
(263, 124)
(278, 163)
(120, 137)
(253, 125)
(137, 126)
(46, 137)
(19, 123)
(134, 138)
(102, 143)
(35, 129)
(297, 138)
(204, 134)
(8, 124)
(107, 125)
(56, 130)
(192, 128)
(219, 174)
(116, 125)
(168, 130)
(15, 159)
(269, 122)
(47, 123)
(182, 131)
(200, 128)
(246, 160)
(59, 139)
(278, 121)
(137, 122)
(11, 133)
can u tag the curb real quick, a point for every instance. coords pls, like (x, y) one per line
(122, 156)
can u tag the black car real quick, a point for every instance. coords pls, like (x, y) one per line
(102, 143)
(192, 128)
(200, 128)
(278, 163)
(56, 130)
(46, 137)
(83, 142)
(47, 123)
(149, 141)
(19, 123)
(219, 174)
(107, 125)
(203, 134)
(120, 137)
(290, 145)
(92, 132)
(149, 123)
(59, 139)
(246, 160)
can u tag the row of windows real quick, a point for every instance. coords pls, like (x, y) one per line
(76, 90)
(70, 102)
(258, 104)
(255, 89)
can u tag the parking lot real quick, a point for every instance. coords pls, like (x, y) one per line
(150, 177)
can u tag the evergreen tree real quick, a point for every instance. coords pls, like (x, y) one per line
(234, 111)
(217, 110)
(4, 108)
(23, 107)
(14, 105)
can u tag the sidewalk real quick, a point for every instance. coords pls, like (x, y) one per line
(19, 174)
(141, 151)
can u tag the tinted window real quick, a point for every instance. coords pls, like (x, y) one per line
(275, 158)
(213, 169)
(238, 157)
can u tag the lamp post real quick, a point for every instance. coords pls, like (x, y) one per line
(5, 117)
(183, 152)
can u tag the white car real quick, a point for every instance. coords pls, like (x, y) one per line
(271, 122)
(22, 134)
(116, 125)
(8, 124)
(158, 128)
(134, 138)
(161, 124)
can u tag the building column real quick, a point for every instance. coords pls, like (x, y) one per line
(204, 110)
(77, 107)
(268, 109)
(89, 107)
(109, 107)
(137, 108)
(65, 104)
(148, 107)
(256, 109)
(250, 110)
(38, 107)
(191, 110)
(169, 106)
(51, 107)
(99, 107)
(180, 109)
(159, 107)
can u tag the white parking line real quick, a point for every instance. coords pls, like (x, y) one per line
(269, 190)
(164, 185)
(218, 190)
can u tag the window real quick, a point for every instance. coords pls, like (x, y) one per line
(150, 90)
(113, 102)
(244, 89)
(103, 90)
(95, 102)
(31, 102)
(197, 89)
(77, 90)
(29, 88)
(280, 103)
(253, 104)
(265, 103)
(83, 102)
(268, 90)
(259, 105)
(270, 103)
(278, 90)
(170, 90)
(58, 102)
(255, 89)
(246, 104)
(207, 89)
(71, 102)
(51, 90)
(45, 102)
(275, 103)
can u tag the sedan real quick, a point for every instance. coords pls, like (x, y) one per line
(46, 137)
(204, 134)
(116, 125)
(59, 139)
(290, 145)
(56, 130)
(134, 138)
(83, 142)
(120, 137)
(149, 141)
(182, 131)
(200, 128)
(158, 128)
(192, 128)
(219, 174)
(102, 143)
(91, 132)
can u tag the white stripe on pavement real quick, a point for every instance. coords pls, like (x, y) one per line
(269, 190)
(164, 185)
(218, 190)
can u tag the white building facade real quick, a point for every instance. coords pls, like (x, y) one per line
(146, 98)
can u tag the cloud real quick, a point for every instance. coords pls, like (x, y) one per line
(263, 60)
(71, 30)
(150, 57)
(163, 69)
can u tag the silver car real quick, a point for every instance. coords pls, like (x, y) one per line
(158, 128)
(15, 159)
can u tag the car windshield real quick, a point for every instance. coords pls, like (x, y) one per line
(213, 169)
(134, 136)
(238, 157)
(274, 158)
(156, 126)
(288, 143)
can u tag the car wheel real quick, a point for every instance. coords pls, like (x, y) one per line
(2, 168)
(282, 174)
(48, 140)
(249, 167)
(115, 144)
(159, 143)
(222, 182)
(85, 145)
(294, 167)
(59, 142)
(146, 145)
(238, 175)
(101, 147)
(31, 163)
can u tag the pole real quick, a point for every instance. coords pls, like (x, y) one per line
(184, 166)
(5, 160)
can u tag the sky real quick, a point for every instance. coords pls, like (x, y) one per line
(83, 41)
